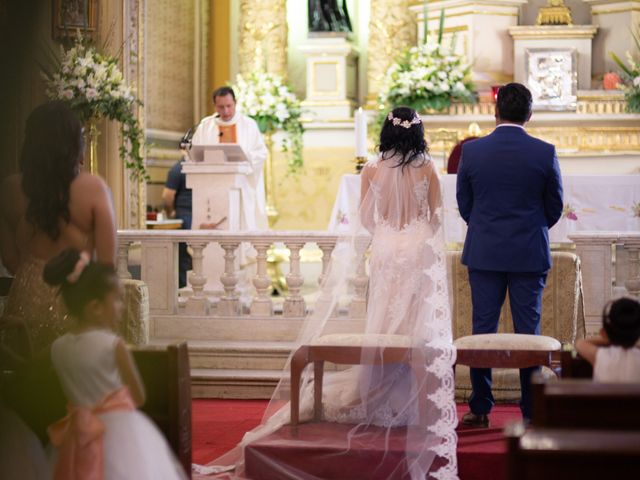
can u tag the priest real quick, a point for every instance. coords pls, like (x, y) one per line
(230, 126)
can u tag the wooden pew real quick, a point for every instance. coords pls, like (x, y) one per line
(34, 393)
(583, 404)
(573, 365)
(537, 454)
(167, 379)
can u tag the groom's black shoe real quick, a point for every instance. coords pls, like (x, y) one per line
(470, 419)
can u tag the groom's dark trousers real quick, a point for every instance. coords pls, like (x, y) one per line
(509, 191)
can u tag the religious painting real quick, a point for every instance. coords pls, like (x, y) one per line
(71, 16)
(552, 77)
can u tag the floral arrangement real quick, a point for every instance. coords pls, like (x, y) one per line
(569, 212)
(631, 73)
(94, 87)
(427, 77)
(272, 104)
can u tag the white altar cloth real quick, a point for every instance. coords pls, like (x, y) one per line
(591, 203)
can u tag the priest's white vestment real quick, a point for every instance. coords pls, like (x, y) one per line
(250, 139)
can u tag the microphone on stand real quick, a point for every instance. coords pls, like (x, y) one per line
(185, 142)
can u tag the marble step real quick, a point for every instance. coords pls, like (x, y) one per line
(238, 329)
(228, 383)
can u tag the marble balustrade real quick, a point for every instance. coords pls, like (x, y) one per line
(610, 267)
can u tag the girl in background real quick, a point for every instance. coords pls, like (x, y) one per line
(614, 354)
(103, 436)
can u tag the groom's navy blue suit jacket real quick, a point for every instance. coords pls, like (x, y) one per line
(509, 191)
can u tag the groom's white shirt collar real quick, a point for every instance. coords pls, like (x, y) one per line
(510, 125)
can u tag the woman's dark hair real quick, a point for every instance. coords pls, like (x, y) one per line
(409, 142)
(514, 103)
(223, 92)
(51, 154)
(621, 321)
(95, 281)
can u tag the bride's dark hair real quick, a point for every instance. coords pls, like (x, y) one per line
(95, 281)
(409, 143)
(51, 154)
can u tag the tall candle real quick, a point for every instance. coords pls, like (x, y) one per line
(361, 133)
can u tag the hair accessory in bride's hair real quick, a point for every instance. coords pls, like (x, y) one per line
(79, 267)
(403, 123)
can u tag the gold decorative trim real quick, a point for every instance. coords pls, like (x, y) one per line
(263, 36)
(327, 103)
(522, 32)
(598, 104)
(327, 120)
(467, 4)
(459, 28)
(596, 11)
(392, 28)
(474, 12)
(569, 140)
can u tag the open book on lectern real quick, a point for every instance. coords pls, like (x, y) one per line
(218, 153)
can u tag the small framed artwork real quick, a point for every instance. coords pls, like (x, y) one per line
(71, 16)
(552, 77)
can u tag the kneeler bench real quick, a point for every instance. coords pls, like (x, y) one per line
(508, 350)
(349, 349)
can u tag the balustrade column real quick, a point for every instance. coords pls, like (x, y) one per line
(594, 250)
(229, 305)
(326, 247)
(633, 282)
(262, 306)
(197, 304)
(358, 307)
(294, 305)
(123, 260)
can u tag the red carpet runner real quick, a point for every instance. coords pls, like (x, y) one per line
(218, 425)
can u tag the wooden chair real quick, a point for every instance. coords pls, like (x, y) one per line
(536, 454)
(351, 350)
(583, 404)
(166, 375)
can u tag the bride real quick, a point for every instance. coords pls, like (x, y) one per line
(408, 305)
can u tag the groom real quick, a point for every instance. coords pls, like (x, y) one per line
(509, 192)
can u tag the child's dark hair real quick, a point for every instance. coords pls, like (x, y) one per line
(621, 322)
(95, 281)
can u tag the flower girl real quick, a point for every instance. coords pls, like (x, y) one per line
(103, 436)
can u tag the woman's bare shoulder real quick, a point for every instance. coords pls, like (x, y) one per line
(87, 182)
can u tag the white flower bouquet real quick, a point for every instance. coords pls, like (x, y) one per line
(427, 77)
(94, 87)
(631, 74)
(272, 104)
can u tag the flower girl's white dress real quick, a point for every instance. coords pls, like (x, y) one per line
(132, 446)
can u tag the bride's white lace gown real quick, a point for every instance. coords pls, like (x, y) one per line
(401, 217)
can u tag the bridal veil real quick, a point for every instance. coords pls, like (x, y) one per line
(399, 237)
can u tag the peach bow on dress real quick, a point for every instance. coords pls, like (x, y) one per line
(79, 437)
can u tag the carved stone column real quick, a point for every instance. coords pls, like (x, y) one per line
(133, 70)
(263, 37)
(392, 28)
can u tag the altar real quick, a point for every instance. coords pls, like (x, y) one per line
(591, 203)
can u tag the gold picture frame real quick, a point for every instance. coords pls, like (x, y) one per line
(72, 16)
